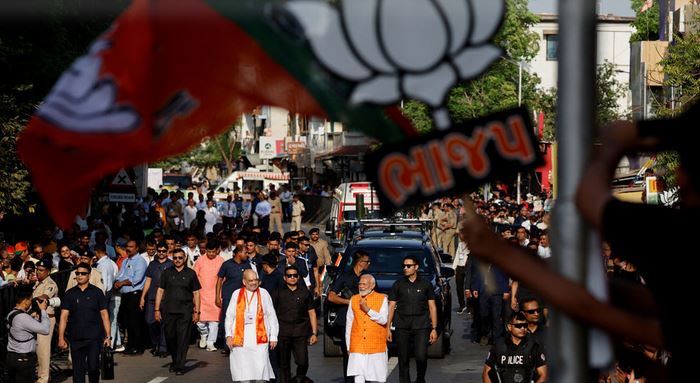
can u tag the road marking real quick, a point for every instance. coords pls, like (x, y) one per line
(393, 361)
(158, 379)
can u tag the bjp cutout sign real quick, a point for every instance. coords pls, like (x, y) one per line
(453, 161)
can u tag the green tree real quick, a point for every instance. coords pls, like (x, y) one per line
(608, 91)
(37, 44)
(646, 24)
(681, 67)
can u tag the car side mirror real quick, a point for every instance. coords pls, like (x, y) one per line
(330, 226)
(447, 272)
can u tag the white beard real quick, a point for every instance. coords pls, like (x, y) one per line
(364, 293)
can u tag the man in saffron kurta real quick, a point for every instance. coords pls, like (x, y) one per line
(365, 333)
(251, 331)
(207, 268)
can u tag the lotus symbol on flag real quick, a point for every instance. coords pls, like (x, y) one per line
(394, 49)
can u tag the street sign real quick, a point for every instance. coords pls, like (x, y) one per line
(122, 179)
(268, 148)
(295, 147)
(122, 197)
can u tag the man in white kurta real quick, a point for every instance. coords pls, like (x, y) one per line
(368, 312)
(250, 361)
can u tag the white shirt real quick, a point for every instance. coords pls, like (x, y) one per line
(201, 205)
(461, 255)
(190, 213)
(544, 252)
(148, 258)
(192, 255)
(212, 216)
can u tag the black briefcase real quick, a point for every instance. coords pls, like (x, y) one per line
(107, 363)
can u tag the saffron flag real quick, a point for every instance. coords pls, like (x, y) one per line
(164, 76)
(647, 5)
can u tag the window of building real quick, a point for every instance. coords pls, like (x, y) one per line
(552, 44)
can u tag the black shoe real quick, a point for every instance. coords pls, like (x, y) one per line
(171, 368)
(225, 351)
(133, 351)
(179, 372)
(162, 354)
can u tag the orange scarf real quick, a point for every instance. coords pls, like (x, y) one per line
(260, 332)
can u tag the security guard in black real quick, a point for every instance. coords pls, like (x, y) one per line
(179, 294)
(516, 358)
(413, 313)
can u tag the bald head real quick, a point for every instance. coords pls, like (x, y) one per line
(250, 280)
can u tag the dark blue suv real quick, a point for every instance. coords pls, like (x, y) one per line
(386, 251)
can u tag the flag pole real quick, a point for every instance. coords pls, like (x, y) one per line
(576, 78)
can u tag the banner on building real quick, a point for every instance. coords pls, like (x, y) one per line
(453, 161)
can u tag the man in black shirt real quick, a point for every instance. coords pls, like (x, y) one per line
(270, 277)
(344, 287)
(297, 318)
(179, 294)
(515, 358)
(412, 308)
(84, 314)
(531, 308)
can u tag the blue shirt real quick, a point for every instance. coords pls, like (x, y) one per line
(232, 273)
(133, 269)
(154, 271)
(108, 269)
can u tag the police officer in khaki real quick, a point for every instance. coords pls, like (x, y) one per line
(45, 288)
(297, 210)
(448, 224)
(435, 214)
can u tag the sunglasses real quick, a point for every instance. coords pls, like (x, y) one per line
(533, 311)
(178, 258)
(519, 325)
(406, 266)
(81, 273)
(291, 275)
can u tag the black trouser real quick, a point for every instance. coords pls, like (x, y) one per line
(459, 281)
(344, 350)
(21, 368)
(177, 336)
(297, 345)
(286, 212)
(227, 222)
(134, 318)
(419, 338)
(264, 222)
(491, 308)
(86, 356)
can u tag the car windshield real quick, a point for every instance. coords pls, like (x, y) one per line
(182, 181)
(389, 260)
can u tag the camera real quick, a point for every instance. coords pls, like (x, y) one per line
(52, 302)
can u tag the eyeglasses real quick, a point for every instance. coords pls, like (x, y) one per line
(533, 311)
(519, 325)
(406, 265)
(81, 273)
(178, 258)
(291, 275)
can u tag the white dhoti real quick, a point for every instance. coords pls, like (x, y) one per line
(252, 360)
(368, 367)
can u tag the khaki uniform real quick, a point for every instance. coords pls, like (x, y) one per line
(276, 215)
(321, 248)
(297, 210)
(448, 224)
(436, 235)
(95, 280)
(43, 342)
